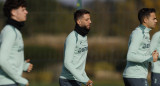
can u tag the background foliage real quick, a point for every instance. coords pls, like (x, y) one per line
(49, 22)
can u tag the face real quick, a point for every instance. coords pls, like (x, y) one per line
(151, 21)
(19, 14)
(84, 21)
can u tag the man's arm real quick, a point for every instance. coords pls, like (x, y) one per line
(89, 83)
(8, 38)
(133, 54)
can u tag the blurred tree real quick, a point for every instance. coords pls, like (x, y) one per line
(114, 18)
(109, 18)
(48, 16)
(101, 16)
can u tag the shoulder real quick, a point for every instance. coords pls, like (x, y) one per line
(72, 38)
(72, 35)
(8, 30)
(157, 34)
(137, 32)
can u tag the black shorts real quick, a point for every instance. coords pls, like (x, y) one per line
(66, 82)
(135, 82)
(10, 85)
(155, 79)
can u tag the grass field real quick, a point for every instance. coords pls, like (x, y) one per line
(97, 83)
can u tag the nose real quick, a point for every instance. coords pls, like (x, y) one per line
(155, 20)
(26, 12)
(90, 21)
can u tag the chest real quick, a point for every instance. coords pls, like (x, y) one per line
(145, 43)
(81, 46)
(18, 44)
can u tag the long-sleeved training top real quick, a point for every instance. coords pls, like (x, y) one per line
(138, 56)
(155, 45)
(12, 62)
(75, 54)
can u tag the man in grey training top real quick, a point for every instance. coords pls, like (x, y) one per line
(75, 52)
(139, 55)
(12, 62)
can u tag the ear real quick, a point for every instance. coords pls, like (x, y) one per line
(145, 19)
(78, 22)
(13, 12)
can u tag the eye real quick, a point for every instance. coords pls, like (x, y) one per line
(87, 19)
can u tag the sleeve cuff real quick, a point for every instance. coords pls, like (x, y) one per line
(26, 65)
(22, 82)
(85, 83)
(150, 59)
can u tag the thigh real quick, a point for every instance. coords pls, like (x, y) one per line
(135, 82)
(155, 79)
(126, 82)
(66, 82)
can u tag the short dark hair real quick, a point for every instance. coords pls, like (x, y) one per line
(79, 13)
(12, 4)
(145, 12)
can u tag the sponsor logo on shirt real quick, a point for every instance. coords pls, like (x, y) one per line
(146, 46)
(82, 49)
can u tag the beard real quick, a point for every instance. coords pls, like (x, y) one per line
(83, 30)
(85, 27)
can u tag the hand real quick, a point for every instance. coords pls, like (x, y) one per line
(30, 66)
(155, 55)
(27, 84)
(89, 83)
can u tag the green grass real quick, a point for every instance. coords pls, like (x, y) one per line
(108, 83)
(96, 83)
(44, 84)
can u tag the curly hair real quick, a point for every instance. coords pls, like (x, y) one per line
(12, 4)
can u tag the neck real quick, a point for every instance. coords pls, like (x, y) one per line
(83, 31)
(14, 18)
(145, 25)
(15, 23)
